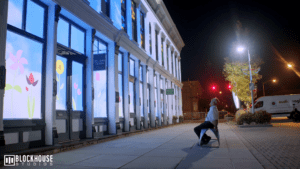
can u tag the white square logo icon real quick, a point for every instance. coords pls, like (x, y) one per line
(9, 160)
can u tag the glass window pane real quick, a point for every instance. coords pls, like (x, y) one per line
(77, 86)
(61, 78)
(22, 99)
(95, 4)
(100, 89)
(162, 103)
(131, 67)
(120, 62)
(147, 74)
(63, 32)
(141, 99)
(35, 19)
(131, 94)
(77, 39)
(120, 95)
(155, 81)
(141, 73)
(15, 13)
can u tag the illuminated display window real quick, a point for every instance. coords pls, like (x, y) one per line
(123, 15)
(142, 22)
(25, 45)
(100, 78)
(133, 18)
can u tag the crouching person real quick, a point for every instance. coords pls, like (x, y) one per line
(211, 122)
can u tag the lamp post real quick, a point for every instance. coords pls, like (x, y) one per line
(266, 82)
(240, 49)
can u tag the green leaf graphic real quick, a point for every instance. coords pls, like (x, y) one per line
(18, 88)
(33, 108)
(74, 103)
(8, 87)
(57, 98)
(57, 79)
(28, 106)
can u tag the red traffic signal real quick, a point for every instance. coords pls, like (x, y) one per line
(229, 86)
(214, 88)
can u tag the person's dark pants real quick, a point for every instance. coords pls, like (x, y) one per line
(205, 125)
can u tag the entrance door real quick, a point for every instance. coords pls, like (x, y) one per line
(70, 100)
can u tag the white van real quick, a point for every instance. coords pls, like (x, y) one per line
(281, 105)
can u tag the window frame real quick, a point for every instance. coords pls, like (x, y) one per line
(22, 32)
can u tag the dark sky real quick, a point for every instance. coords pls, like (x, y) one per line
(208, 30)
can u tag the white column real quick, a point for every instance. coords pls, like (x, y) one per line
(158, 98)
(3, 28)
(125, 91)
(50, 104)
(111, 94)
(170, 59)
(117, 83)
(145, 96)
(147, 39)
(165, 101)
(89, 83)
(137, 94)
(179, 67)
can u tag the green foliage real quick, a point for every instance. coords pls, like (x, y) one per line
(180, 117)
(239, 113)
(259, 117)
(234, 73)
(175, 117)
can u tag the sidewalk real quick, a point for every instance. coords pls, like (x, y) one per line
(172, 147)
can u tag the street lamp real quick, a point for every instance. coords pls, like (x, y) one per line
(240, 49)
(220, 92)
(289, 66)
(274, 80)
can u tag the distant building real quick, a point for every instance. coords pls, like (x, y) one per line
(191, 92)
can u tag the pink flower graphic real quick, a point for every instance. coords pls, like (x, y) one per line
(18, 61)
(78, 91)
(30, 80)
(75, 85)
(97, 76)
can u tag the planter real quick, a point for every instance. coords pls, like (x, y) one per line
(229, 118)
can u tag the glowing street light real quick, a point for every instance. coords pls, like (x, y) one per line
(289, 66)
(274, 80)
(241, 49)
(220, 92)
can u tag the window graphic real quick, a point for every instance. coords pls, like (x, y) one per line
(133, 17)
(142, 22)
(123, 15)
(100, 78)
(77, 86)
(61, 78)
(24, 60)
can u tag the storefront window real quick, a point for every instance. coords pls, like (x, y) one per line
(100, 78)
(24, 60)
(131, 97)
(63, 32)
(61, 78)
(77, 39)
(131, 66)
(141, 99)
(77, 86)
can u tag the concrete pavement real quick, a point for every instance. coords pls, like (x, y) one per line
(172, 147)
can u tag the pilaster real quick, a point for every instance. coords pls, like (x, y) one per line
(145, 96)
(158, 98)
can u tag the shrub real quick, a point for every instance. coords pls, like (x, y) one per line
(246, 117)
(228, 115)
(180, 117)
(262, 117)
(239, 113)
(175, 117)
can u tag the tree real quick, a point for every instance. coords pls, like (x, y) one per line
(237, 73)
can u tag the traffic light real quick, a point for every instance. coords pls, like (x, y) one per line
(229, 87)
(214, 88)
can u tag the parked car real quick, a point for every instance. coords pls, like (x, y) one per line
(281, 105)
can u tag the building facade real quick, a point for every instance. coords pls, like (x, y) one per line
(191, 93)
(75, 69)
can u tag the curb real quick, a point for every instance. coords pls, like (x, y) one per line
(257, 125)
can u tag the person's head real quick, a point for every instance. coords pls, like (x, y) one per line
(214, 102)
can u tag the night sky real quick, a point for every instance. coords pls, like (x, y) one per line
(209, 30)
